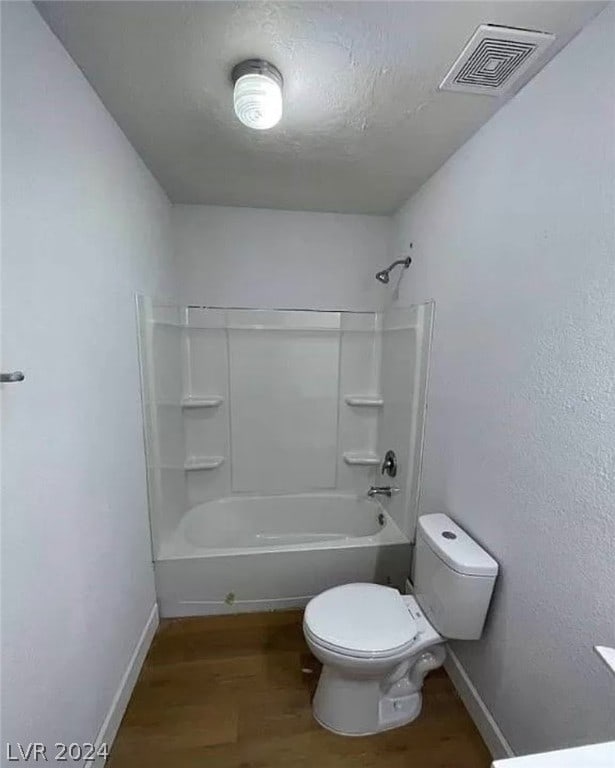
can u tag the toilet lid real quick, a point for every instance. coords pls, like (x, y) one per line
(361, 618)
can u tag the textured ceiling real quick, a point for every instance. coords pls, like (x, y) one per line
(364, 124)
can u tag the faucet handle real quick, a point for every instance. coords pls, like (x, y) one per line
(389, 465)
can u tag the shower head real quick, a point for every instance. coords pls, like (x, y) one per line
(384, 275)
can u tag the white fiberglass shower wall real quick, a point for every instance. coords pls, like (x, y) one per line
(264, 431)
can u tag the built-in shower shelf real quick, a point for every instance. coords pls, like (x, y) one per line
(203, 462)
(361, 458)
(202, 402)
(369, 401)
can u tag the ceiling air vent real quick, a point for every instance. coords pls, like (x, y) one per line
(494, 58)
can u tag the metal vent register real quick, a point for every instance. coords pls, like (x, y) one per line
(495, 58)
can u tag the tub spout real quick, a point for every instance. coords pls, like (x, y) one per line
(382, 490)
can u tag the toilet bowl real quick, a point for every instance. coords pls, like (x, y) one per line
(377, 646)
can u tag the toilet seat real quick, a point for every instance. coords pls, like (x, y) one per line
(361, 621)
(391, 653)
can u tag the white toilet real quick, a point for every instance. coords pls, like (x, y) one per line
(376, 646)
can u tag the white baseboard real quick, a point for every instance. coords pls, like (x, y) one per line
(483, 719)
(111, 723)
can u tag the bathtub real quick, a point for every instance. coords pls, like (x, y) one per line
(255, 553)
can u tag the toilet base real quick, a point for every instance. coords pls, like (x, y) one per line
(389, 717)
(394, 712)
(358, 707)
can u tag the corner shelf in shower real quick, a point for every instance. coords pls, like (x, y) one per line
(203, 462)
(202, 402)
(369, 401)
(361, 458)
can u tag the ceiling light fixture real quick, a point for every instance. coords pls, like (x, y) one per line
(257, 96)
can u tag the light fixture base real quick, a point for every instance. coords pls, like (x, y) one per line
(256, 67)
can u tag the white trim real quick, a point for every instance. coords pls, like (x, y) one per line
(111, 723)
(475, 706)
(483, 719)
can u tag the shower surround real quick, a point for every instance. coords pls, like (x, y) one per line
(264, 430)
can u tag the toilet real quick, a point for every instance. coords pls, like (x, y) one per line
(377, 646)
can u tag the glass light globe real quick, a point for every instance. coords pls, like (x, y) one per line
(258, 100)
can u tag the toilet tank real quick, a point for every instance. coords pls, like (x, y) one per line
(453, 578)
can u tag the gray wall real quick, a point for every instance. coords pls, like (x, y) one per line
(514, 238)
(84, 225)
(245, 257)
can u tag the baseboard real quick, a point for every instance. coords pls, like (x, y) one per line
(112, 721)
(483, 719)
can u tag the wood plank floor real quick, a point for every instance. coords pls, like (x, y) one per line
(235, 691)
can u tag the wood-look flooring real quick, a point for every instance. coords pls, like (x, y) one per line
(235, 691)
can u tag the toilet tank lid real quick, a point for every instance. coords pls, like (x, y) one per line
(453, 545)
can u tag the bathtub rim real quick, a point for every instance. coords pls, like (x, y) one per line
(177, 547)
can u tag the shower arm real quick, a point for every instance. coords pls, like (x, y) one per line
(383, 275)
(406, 262)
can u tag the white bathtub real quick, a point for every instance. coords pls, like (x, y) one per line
(250, 553)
